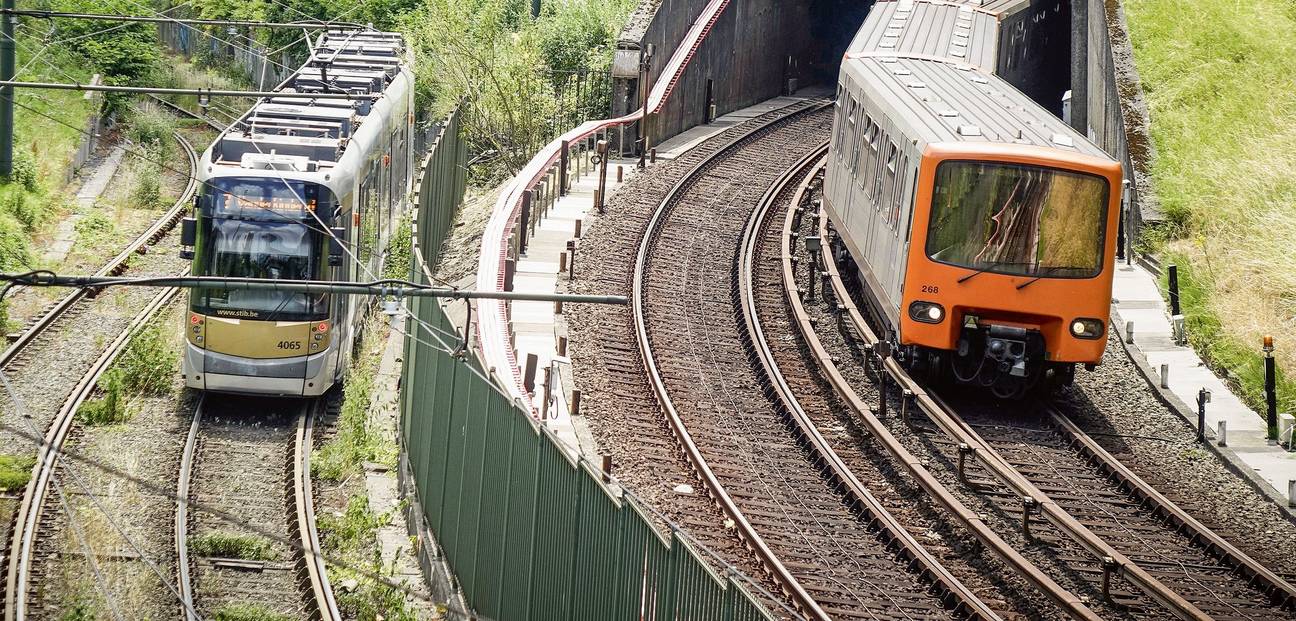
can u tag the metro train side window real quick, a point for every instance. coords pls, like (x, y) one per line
(878, 189)
(897, 192)
(854, 132)
(866, 157)
(840, 114)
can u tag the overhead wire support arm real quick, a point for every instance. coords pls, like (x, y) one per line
(148, 90)
(183, 20)
(399, 288)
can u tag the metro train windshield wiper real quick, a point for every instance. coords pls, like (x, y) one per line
(976, 273)
(1042, 273)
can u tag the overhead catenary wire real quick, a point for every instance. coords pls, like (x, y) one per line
(188, 21)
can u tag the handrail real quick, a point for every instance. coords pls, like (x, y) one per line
(492, 323)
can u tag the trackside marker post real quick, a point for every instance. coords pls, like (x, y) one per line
(1271, 390)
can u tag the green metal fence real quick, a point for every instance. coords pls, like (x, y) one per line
(532, 532)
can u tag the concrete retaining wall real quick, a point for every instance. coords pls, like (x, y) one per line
(754, 48)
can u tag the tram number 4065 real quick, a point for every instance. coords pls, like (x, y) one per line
(290, 345)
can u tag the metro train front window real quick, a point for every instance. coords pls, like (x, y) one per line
(259, 249)
(1018, 220)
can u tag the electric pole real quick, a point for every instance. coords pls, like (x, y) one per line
(7, 92)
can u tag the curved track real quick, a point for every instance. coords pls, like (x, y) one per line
(1128, 530)
(688, 328)
(32, 508)
(228, 467)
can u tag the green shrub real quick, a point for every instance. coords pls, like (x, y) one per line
(149, 363)
(94, 224)
(232, 545)
(151, 126)
(110, 409)
(25, 172)
(15, 249)
(15, 471)
(146, 186)
(80, 609)
(249, 612)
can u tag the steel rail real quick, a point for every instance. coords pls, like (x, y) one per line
(28, 519)
(118, 263)
(801, 599)
(960, 513)
(181, 110)
(965, 602)
(304, 499)
(184, 582)
(958, 430)
(1278, 589)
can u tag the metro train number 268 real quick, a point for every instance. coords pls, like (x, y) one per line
(930, 289)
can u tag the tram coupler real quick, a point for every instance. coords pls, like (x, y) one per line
(1028, 507)
(1110, 567)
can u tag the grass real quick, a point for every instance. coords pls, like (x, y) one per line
(1220, 85)
(233, 545)
(352, 536)
(399, 249)
(356, 441)
(15, 471)
(249, 612)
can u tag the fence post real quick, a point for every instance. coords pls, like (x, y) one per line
(564, 162)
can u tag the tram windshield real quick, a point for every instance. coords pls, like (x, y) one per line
(270, 250)
(262, 227)
(1018, 220)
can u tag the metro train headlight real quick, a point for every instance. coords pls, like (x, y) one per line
(1084, 328)
(927, 312)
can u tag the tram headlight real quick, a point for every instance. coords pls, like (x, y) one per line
(1085, 328)
(927, 312)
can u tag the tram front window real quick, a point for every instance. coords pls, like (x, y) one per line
(269, 250)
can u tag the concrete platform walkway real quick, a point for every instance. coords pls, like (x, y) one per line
(1137, 300)
(96, 182)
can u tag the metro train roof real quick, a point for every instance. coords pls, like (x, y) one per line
(283, 133)
(942, 102)
(922, 28)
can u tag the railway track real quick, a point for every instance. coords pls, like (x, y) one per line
(688, 328)
(1067, 493)
(818, 408)
(40, 354)
(229, 465)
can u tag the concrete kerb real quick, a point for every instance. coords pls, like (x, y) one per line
(1188, 414)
